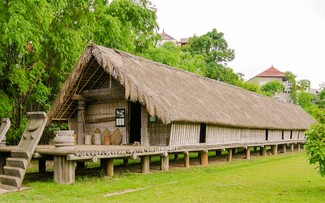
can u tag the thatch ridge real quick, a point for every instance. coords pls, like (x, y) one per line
(164, 91)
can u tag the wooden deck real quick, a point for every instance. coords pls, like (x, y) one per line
(65, 159)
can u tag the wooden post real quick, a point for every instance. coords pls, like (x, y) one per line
(292, 146)
(164, 162)
(284, 147)
(109, 170)
(64, 170)
(81, 121)
(274, 149)
(255, 149)
(218, 153)
(175, 157)
(229, 154)
(204, 158)
(186, 159)
(145, 164)
(41, 165)
(263, 151)
(298, 146)
(145, 139)
(248, 153)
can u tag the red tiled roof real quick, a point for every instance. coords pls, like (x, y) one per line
(271, 72)
(165, 36)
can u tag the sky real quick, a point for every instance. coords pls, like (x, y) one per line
(288, 34)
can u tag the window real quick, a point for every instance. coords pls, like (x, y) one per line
(203, 127)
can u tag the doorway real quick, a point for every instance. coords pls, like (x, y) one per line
(135, 122)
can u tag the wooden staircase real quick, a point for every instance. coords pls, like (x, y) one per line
(16, 165)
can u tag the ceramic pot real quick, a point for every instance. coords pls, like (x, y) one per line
(64, 138)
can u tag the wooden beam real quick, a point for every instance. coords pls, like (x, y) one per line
(102, 92)
(248, 153)
(77, 97)
(274, 149)
(263, 151)
(186, 159)
(110, 168)
(204, 158)
(145, 164)
(230, 154)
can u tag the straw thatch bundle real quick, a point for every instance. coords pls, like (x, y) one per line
(176, 95)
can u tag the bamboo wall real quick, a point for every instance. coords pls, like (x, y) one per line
(102, 116)
(274, 135)
(223, 135)
(159, 133)
(184, 134)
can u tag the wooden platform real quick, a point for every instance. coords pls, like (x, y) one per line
(65, 159)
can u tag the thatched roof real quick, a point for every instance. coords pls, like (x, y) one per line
(173, 94)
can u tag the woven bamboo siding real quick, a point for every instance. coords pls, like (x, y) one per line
(159, 133)
(184, 134)
(102, 116)
(252, 135)
(301, 135)
(286, 134)
(295, 134)
(275, 135)
(219, 135)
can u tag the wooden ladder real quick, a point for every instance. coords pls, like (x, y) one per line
(16, 165)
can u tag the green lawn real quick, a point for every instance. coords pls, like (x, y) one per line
(282, 178)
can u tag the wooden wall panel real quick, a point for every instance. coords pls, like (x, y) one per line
(220, 135)
(184, 134)
(252, 135)
(102, 115)
(275, 135)
(159, 133)
(286, 134)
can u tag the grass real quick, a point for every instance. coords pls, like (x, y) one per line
(282, 178)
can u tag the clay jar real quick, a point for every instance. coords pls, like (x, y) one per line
(64, 139)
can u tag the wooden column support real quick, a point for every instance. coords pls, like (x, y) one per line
(263, 151)
(109, 169)
(186, 159)
(274, 149)
(218, 153)
(248, 153)
(284, 148)
(164, 163)
(204, 158)
(175, 157)
(125, 162)
(230, 150)
(292, 147)
(64, 170)
(145, 164)
(81, 121)
(298, 146)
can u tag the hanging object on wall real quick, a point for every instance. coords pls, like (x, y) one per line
(119, 117)
(116, 137)
(106, 140)
(97, 137)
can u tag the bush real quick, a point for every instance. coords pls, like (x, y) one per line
(315, 146)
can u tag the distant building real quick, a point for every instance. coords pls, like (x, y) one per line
(167, 38)
(272, 74)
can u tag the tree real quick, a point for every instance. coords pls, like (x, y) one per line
(273, 87)
(42, 40)
(212, 46)
(304, 84)
(315, 146)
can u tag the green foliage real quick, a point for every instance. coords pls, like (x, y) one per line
(42, 40)
(273, 87)
(315, 146)
(212, 46)
(321, 99)
(304, 84)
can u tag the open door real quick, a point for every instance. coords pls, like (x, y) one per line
(135, 122)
